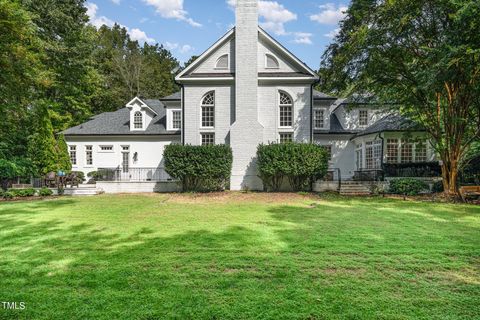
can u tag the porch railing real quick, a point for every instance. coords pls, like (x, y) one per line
(369, 175)
(133, 174)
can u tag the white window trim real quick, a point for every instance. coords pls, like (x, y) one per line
(208, 129)
(133, 121)
(228, 62)
(368, 118)
(266, 62)
(170, 112)
(76, 155)
(324, 118)
(208, 132)
(285, 128)
(106, 151)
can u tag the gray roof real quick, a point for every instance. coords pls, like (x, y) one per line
(335, 127)
(320, 95)
(391, 122)
(173, 97)
(118, 123)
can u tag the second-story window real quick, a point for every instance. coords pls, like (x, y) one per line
(138, 120)
(363, 117)
(286, 111)
(208, 110)
(176, 119)
(319, 118)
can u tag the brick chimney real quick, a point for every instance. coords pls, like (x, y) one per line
(246, 132)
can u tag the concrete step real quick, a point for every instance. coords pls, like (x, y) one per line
(82, 191)
(354, 188)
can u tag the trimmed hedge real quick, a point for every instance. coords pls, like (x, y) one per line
(407, 186)
(199, 168)
(45, 192)
(301, 163)
(30, 192)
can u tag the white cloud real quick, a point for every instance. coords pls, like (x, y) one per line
(97, 22)
(116, 1)
(183, 49)
(274, 16)
(303, 37)
(329, 14)
(172, 9)
(140, 36)
(332, 34)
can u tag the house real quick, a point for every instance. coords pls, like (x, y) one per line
(244, 90)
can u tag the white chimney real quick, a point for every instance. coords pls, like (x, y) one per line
(246, 132)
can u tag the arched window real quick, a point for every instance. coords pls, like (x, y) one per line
(271, 62)
(208, 110)
(138, 120)
(286, 110)
(222, 62)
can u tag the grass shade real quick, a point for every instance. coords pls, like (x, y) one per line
(239, 256)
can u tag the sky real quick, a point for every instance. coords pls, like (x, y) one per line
(189, 27)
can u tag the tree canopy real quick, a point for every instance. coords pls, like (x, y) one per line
(424, 56)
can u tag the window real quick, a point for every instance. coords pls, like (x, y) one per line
(286, 137)
(138, 120)
(176, 119)
(89, 155)
(271, 62)
(208, 110)
(286, 111)
(420, 151)
(208, 139)
(329, 151)
(73, 155)
(106, 148)
(359, 156)
(363, 117)
(222, 62)
(319, 118)
(125, 158)
(392, 150)
(407, 151)
(373, 154)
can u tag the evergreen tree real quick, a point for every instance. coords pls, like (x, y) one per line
(42, 146)
(63, 156)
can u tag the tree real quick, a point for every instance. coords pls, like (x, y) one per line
(423, 55)
(190, 61)
(63, 156)
(69, 44)
(42, 146)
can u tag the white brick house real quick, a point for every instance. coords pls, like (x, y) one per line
(244, 90)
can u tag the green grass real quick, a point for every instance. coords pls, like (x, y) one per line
(239, 256)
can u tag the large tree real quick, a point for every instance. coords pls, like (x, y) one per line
(425, 56)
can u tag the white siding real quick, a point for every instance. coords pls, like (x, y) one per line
(208, 66)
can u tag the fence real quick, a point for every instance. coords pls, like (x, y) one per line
(133, 174)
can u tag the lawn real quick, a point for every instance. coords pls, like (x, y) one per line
(239, 256)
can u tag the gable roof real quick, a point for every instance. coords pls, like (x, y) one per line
(118, 123)
(391, 123)
(305, 70)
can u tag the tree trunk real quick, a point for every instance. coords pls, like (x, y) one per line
(450, 175)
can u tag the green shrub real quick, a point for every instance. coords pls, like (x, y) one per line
(407, 186)
(101, 175)
(8, 195)
(80, 175)
(199, 168)
(301, 163)
(45, 192)
(30, 192)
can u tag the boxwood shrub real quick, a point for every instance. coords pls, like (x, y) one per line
(30, 192)
(300, 163)
(199, 168)
(407, 186)
(45, 192)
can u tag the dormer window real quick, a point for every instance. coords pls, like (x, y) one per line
(271, 62)
(138, 120)
(222, 62)
(363, 118)
(319, 118)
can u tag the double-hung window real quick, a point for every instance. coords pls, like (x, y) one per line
(319, 118)
(73, 155)
(363, 117)
(89, 155)
(176, 119)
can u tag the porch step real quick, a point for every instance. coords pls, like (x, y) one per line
(354, 188)
(83, 191)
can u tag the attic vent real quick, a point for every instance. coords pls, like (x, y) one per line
(271, 62)
(222, 62)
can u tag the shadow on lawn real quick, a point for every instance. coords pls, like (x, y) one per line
(84, 272)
